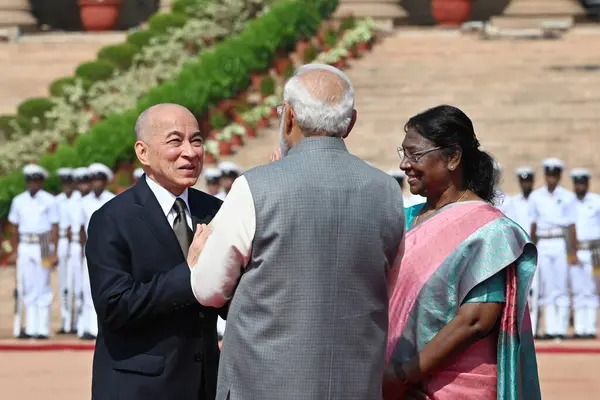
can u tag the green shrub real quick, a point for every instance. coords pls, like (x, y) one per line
(141, 38)
(348, 23)
(56, 87)
(185, 6)
(35, 108)
(310, 54)
(267, 86)
(6, 128)
(218, 120)
(162, 22)
(120, 55)
(95, 71)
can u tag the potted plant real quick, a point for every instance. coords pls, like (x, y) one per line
(211, 149)
(267, 86)
(250, 120)
(335, 57)
(99, 15)
(224, 140)
(218, 121)
(263, 113)
(237, 132)
(272, 102)
(451, 12)
(281, 64)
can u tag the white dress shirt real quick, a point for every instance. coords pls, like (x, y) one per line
(552, 210)
(588, 217)
(87, 206)
(166, 200)
(34, 215)
(65, 210)
(519, 211)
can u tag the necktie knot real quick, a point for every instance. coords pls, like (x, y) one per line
(179, 206)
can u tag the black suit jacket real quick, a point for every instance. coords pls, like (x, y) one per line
(154, 341)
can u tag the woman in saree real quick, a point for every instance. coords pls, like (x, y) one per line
(459, 324)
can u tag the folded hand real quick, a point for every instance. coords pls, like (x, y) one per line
(276, 155)
(200, 238)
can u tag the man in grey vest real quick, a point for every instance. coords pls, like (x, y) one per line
(306, 248)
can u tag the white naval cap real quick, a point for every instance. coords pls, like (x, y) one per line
(228, 168)
(525, 172)
(553, 163)
(396, 173)
(34, 170)
(65, 172)
(212, 174)
(581, 173)
(81, 172)
(97, 168)
(138, 172)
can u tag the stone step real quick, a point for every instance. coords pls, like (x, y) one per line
(377, 9)
(544, 7)
(12, 18)
(518, 22)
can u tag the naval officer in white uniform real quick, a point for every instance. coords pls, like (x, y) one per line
(583, 282)
(34, 216)
(66, 276)
(553, 214)
(101, 175)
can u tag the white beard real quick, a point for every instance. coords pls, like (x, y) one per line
(283, 145)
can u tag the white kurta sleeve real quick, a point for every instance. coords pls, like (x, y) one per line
(228, 248)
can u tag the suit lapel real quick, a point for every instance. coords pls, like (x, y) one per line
(151, 213)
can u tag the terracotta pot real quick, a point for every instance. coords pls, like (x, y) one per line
(99, 15)
(236, 140)
(354, 53)
(225, 105)
(250, 131)
(451, 12)
(224, 148)
(281, 65)
(212, 134)
(364, 47)
(301, 47)
(237, 118)
(52, 148)
(340, 64)
(209, 158)
(262, 123)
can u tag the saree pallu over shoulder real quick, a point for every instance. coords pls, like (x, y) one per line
(447, 255)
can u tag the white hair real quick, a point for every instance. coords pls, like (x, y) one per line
(319, 113)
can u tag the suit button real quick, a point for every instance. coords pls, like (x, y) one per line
(176, 306)
(197, 357)
(200, 314)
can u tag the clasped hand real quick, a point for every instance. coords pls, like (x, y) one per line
(203, 231)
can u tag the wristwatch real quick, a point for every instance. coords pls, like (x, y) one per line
(400, 374)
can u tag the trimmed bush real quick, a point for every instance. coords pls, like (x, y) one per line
(120, 55)
(95, 71)
(56, 87)
(267, 86)
(35, 108)
(141, 38)
(183, 6)
(162, 22)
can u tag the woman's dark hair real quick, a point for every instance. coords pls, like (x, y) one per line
(450, 128)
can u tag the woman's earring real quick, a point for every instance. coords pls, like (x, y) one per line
(451, 168)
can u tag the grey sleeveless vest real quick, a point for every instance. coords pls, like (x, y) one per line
(308, 320)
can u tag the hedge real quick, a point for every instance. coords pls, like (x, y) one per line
(163, 22)
(120, 55)
(95, 71)
(217, 74)
(57, 86)
(141, 38)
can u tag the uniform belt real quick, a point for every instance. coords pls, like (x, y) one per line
(588, 244)
(553, 233)
(30, 238)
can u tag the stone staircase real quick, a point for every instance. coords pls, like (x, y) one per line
(29, 65)
(528, 99)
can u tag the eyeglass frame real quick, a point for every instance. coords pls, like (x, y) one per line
(417, 156)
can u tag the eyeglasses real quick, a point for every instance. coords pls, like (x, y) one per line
(280, 110)
(416, 156)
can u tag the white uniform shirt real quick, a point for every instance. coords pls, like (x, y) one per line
(34, 215)
(518, 210)
(221, 195)
(166, 200)
(552, 210)
(65, 210)
(588, 217)
(87, 206)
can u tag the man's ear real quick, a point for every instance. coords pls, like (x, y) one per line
(141, 151)
(352, 122)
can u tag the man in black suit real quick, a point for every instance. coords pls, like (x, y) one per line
(154, 341)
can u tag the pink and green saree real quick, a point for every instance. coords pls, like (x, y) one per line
(467, 252)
